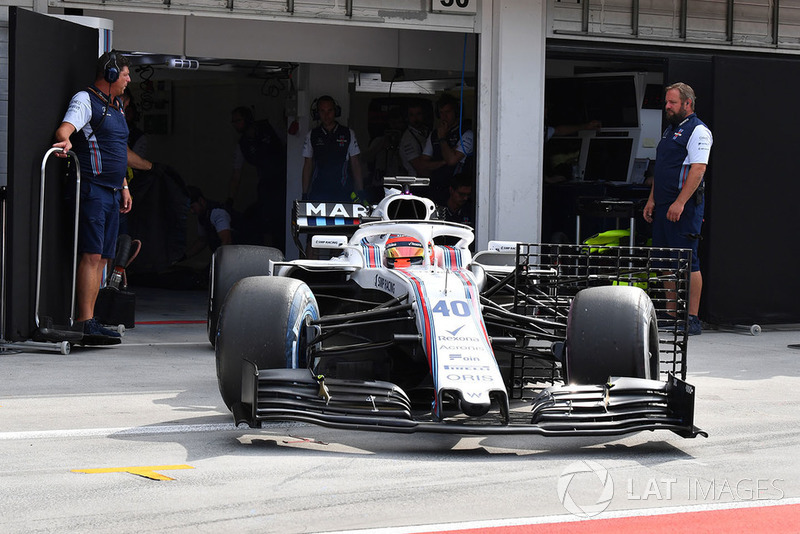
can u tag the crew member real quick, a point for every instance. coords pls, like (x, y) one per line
(102, 150)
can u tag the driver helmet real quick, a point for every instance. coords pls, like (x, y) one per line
(403, 251)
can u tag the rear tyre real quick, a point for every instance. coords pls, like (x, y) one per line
(230, 264)
(611, 331)
(261, 321)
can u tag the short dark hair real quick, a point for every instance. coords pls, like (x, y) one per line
(105, 60)
(461, 180)
(684, 90)
(131, 111)
(448, 99)
(195, 193)
(245, 112)
(326, 98)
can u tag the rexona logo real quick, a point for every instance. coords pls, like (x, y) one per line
(451, 339)
(456, 331)
(327, 209)
(579, 491)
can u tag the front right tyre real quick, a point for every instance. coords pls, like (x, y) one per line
(611, 331)
(230, 264)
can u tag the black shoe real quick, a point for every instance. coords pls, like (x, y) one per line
(93, 328)
(695, 328)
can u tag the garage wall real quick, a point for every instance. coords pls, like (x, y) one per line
(434, 15)
(511, 134)
(35, 111)
(3, 96)
(698, 23)
(286, 41)
(752, 238)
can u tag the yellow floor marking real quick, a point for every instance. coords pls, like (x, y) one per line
(142, 471)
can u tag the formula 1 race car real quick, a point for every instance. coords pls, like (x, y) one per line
(404, 329)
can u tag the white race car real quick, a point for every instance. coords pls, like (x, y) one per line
(404, 329)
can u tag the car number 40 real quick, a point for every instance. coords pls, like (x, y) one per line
(459, 308)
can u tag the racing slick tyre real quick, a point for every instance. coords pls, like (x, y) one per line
(611, 331)
(261, 321)
(230, 264)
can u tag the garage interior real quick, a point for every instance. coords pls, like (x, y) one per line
(749, 273)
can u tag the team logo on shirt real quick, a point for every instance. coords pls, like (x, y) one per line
(677, 134)
(342, 140)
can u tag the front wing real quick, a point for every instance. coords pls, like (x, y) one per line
(621, 406)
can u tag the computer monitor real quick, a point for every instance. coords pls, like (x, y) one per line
(608, 159)
(610, 99)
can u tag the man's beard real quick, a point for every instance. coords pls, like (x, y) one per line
(676, 118)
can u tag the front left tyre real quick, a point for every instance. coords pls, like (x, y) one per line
(262, 321)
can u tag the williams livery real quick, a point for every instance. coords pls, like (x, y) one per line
(403, 328)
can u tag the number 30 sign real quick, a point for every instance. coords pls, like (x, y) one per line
(465, 7)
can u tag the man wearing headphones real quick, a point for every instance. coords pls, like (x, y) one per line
(331, 170)
(97, 115)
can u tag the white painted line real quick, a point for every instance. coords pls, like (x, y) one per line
(139, 431)
(160, 344)
(443, 527)
(105, 432)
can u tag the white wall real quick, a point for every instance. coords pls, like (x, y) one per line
(511, 96)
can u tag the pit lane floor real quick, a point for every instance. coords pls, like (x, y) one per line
(135, 438)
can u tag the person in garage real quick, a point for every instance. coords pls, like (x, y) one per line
(448, 150)
(331, 168)
(216, 223)
(260, 146)
(677, 199)
(413, 140)
(97, 118)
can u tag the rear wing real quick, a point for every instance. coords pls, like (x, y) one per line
(309, 217)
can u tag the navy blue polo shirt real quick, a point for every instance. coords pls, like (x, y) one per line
(680, 146)
(331, 150)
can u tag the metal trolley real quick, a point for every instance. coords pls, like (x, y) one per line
(46, 336)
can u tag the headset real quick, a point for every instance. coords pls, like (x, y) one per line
(111, 68)
(315, 107)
